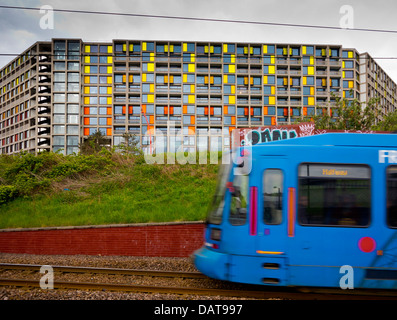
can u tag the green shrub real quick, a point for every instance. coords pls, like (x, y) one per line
(7, 193)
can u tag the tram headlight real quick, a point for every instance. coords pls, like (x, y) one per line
(215, 234)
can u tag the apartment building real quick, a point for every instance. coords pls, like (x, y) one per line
(190, 95)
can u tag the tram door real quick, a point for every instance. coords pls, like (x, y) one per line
(272, 217)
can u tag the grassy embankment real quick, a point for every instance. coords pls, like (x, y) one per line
(108, 188)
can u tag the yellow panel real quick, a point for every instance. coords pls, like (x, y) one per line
(225, 79)
(109, 100)
(211, 49)
(311, 60)
(285, 51)
(311, 90)
(87, 49)
(343, 64)
(264, 79)
(86, 79)
(205, 49)
(310, 70)
(225, 48)
(86, 100)
(185, 47)
(245, 50)
(350, 54)
(351, 84)
(110, 69)
(272, 100)
(131, 47)
(265, 48)
(232, 68)
(272, 69)
(150, 98)
(86, 90)
(151, 56)
(87, 69)
(273, 90)
(124, 47)
(304, 80)
(303, 49)
(272, 60)
(232, 99)
(150, 67)
(191, 67)
(192, 57)
(171, 48)
(109, 90)
(323, 53)
(109, 79)
(191, 98)
(233, 89)
(87, 59)
(110, 59)
(151, 87)
(233, 58)
(185, 78)
(110, 49)
(310, 101)
(143, 77)
(144, 46)
(343, 74)
(192, 88)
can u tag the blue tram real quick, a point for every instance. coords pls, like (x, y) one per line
(310, 211)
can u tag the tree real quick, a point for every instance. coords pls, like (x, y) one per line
(347, 115)
(94, 143)
(389, 123)
(130, 145)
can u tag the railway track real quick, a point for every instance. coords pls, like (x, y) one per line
(255, 292)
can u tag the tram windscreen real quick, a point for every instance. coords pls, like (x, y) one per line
(334, 195)
(216, 207)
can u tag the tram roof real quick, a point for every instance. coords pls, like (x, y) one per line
(342, 140)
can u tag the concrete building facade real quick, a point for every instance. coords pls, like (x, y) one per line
(57, 93)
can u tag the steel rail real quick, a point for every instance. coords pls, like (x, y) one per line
(174, 290)
(132, 272)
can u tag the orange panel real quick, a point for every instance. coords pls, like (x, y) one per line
(206, 111)
(273, 121)
(165, 110)
(151, 119)
(109, 121)
(246, 111)
(225, 110)
(86, 131)
(144, 108)
(123, 109)
(108, 131)
(86, 121)
(86, 110)
(265, 111)
(192, 130)
(109, 110)
(233, 122)
(171, 110)
(184, 109)
(192, 119)
(130, 110)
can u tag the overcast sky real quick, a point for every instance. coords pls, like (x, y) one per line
(21, 28)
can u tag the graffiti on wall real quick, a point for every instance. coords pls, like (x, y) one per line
(252, 136)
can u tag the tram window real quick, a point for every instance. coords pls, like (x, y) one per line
(334, 195)
(272, 196)
(392, 196)
(239, 200)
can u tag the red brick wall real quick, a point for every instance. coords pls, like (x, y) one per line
(162, 240)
